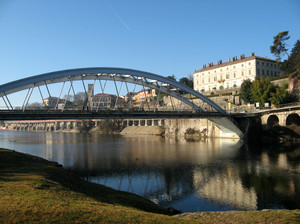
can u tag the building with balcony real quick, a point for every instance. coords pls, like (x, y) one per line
(232, 73)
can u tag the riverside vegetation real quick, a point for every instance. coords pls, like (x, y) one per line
(34, 190)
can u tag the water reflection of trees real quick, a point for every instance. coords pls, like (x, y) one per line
(167, 171)
(276, 182)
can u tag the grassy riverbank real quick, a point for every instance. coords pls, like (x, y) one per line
(33, 190)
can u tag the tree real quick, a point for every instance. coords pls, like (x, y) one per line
(187, 82)
(172, 77)
(80, 99)
(280, 95)
(261, 90)
(245, 93)
(35, 105)
(279, 45)
(292, 63)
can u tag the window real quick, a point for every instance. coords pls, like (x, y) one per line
(215, 71)
(202, 81)
(242, 65)
(227, 68)
(242, 73)
(233, 75)
(263, 63)
(220, 70)
(258, 71)
(215, 78)
(263, 72)
(249, 72)
(208, 79)
(233, 66)
(258, 63)
(227, 76)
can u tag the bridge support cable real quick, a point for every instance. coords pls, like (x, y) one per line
(93, 87)
(102, 89)
(66, 100)
(73, 90)
(86, 95)
(145, 96)
(180, 105)
(157, 100)
(172, 103)
(47, 89)
(41, 94)
(99, 97)
(117, 92)
(128, 93)
(56, 105)
(25, 99)
(131, 97)
(5, 103)
(28, 98)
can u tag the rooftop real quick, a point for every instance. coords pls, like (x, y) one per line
(232, 61)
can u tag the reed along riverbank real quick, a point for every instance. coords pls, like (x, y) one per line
(34, 190)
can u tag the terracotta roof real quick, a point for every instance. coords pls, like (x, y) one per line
(103, 94)
(234, 62)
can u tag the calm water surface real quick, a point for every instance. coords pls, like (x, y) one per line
(212, 175)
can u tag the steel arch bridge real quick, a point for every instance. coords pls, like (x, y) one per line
(126, 92)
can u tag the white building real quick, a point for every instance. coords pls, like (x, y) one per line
(232, 73)
(102, 101)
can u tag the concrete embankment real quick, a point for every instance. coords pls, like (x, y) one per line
(143, 130)
(188, 128)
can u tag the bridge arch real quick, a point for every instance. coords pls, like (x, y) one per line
(293, 118)
(145, 79)
(119, 78)
(272, 121)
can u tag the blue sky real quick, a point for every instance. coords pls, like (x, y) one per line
(160, 36)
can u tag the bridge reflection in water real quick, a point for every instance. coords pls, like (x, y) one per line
(214, 174)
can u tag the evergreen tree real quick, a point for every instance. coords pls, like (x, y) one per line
(246, 94)
(261, 90)
(187, 82)
(279, 45)
(292, 63)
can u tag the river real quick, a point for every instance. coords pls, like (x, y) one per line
(208, 175)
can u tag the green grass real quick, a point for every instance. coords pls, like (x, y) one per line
(33, 190)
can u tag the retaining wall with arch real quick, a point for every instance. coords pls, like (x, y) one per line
(283, 118)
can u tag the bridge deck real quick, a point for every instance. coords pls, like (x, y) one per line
(49, 115)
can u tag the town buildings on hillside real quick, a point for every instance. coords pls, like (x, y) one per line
(102, 100)
(56, 103)
(143, 95)
(232, 73)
